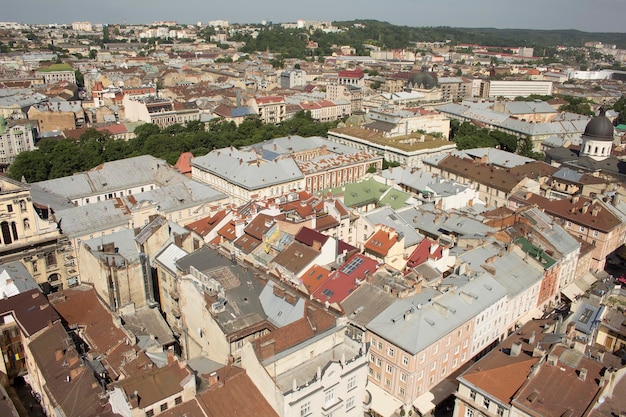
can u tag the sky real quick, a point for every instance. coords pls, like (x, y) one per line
(585, 15)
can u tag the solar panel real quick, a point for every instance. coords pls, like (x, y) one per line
(352, 265)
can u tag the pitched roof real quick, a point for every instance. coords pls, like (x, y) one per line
(67, 380)
(234, 395)
(381, 242)
(31, 310)
(156, 384)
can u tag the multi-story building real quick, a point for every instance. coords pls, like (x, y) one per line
(57, 72)
(292, 78)
(278, 166)
(512, 89)
(57, 116)
(309, 367)
(29, 234)
(409, 150)
(271, 109)
(160, 111)
(16, 136)
(355, 77)
(420, 340)
(455, 88)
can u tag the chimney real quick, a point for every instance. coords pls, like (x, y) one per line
(516, 349)
(531, 339)
(582, 374)
(213, 379)
(595, 211)
(279, 291)
(267, 349)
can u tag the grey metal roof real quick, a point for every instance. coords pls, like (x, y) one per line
(21, 279)
(414, 323)
(178, 196)
(513, 269)
(243, 307)
(125, 246)
(389, 217)
(246, 169)
(92, 218)
(554, 234)
(279, 311)
(568, 174)
(494, 156)
(168, 257)
(116, 175)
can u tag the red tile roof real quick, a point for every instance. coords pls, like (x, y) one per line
(204, 226)
(355, 73)
(31, 310)
(183, 165)
(234, 395)
(81, 307)
(342, 282)
(310, 236)
(422, 253)
(315, 321)
(269, 99)
(156, 384)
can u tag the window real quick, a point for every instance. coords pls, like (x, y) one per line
(351, 383)
(402, 377)
(329, 396)
(401, 391)
(387, 382)
(469, 412)
(373, 342)
(388, 369)
(457, 349)
(472, 395)
(405, 361)
(380, 345)
(149, 413)
(500, 411)
(10, 208)
(390, 352)
(433, 366)
(581, 228)
(377, 376)
(178, 400)
(163, 406)
(305, 409)
(378, 362)
(422, 358)
(595, 233)
(486, 403)
(435, 349)
(350, 403)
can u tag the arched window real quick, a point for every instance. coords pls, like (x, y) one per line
(6, 233)
(26, 224)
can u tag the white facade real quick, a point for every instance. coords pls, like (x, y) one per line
(15, 137)
(512, 89)
(324, 376)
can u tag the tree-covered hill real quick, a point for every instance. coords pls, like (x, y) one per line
(291, 43)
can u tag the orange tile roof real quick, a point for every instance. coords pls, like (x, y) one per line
(381, 242)
(314, 278)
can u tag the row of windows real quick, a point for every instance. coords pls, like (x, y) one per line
(163, 407)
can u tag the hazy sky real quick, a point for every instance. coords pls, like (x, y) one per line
(586, 15)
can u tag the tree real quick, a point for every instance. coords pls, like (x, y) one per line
(80, 78)
(93, 53)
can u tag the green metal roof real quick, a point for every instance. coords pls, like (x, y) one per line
(536, 252)
(359, 194)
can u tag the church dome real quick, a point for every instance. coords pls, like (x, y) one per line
(599, 128)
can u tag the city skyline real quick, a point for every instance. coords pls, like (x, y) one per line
(599, 16)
